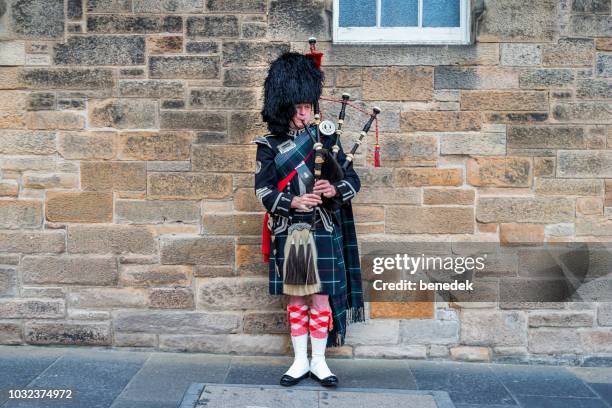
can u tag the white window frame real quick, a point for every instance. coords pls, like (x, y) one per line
(404, 35)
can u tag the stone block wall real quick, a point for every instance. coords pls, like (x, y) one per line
(127, 212)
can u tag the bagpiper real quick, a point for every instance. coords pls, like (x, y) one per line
(308, 237)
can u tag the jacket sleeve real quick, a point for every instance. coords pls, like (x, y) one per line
(348, 187)
(275, 201)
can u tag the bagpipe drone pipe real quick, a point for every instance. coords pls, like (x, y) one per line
(327, 166)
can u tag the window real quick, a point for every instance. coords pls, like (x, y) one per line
(402, 21)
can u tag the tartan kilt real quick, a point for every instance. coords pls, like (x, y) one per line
(330, 259)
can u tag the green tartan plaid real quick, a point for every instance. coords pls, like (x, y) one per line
(347, 304)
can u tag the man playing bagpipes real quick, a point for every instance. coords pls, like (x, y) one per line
(308, 238)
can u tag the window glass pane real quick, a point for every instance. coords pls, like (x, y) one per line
(357, 13)
(399, 13)
(441, 13)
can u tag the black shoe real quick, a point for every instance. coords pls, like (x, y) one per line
(288, 380)
(330, 381)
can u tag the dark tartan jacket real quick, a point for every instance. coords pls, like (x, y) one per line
(347, 307)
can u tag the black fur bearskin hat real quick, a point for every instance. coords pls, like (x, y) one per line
(292, 78)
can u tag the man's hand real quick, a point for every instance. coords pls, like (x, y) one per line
(325, 188)
(306, 201)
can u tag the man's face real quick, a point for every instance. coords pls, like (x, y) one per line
(303, 111)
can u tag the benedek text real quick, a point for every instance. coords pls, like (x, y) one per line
(409, 285)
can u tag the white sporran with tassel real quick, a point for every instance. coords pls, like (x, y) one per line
(300, 272)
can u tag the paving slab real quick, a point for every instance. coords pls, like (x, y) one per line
(95, 379)
(542, 381)
(466, 383)
(276, 396)
(164, 377)
(20, 366)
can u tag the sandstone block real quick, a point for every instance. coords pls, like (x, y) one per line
(48, 181)
(212, 26)
(242, 6)
(26, 142)
(154, 146)
(525, 209)
(398, 83)
(546, 78)
(155, 6)
(29, 242)
(55, 120)
(584, 163)
(265, 323)
(568, 52)
(235, 294)
(504, 100)
(10, 333)
(8, 282)
(78, 270)
(156, 211)
(429, 220)
(189, 250)
(249, 53)
(560, 319)
(542, 136)
(68, 333)
(521, 54)
(101, 298)
(224, 158)
(450, 77)
(172, 44)
(17, 214)
(493, 328)
(529, 23)
(223, 98)
(172, 298)
(189, 186)
(27, 21)
(226, 344)
(554, 341)
(583, 112)
(419, 177)
(499, 171)
(115, 239)
(123, 113)
(188, 67)
(385, 331)
(390, 351)
(480, 143)
(232, 224)
(154, 275)
(465, 353)
(565, 187)
(429, 332)
(439, 121)
(195, 120)
(453, 196)
(100, 50)
(151, 88)
(86, 145)
(113, 176)
(178, 322)
(114, 24)
(521, 234)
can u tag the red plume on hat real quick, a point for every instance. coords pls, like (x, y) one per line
(317, 56)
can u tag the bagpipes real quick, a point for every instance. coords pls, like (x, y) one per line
(300, 272)
(326, 163)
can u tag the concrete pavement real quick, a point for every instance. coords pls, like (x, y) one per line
(110, 378)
